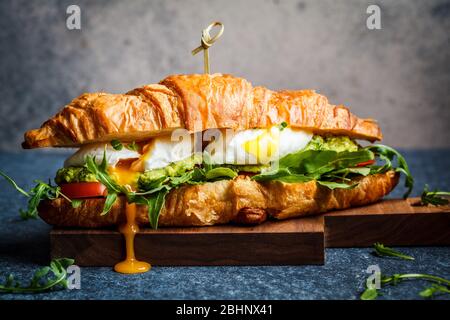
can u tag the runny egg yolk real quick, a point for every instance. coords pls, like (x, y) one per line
(124, 174)
(264, 146)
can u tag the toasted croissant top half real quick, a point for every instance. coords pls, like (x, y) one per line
(195, 102)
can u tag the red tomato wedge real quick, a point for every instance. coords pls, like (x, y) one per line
(366, 163)
(78, 190)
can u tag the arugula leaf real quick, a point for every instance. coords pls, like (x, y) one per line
(40, 192)
(387, 154)
(14, 184)
(132, 146)
(76, 203)
(363, 171)
(433, 197)
(184, 178)
(283, 125)
(116, 144)
(294, 178)
(109, 202)
(369, 294)
(444, 284)
(331, 160)
(433, 291)
(381, 251)
(220, 172)
(102, 175)
(155, 203)
(293, 160)
(336, 185)
(272, 175)
(40, 281)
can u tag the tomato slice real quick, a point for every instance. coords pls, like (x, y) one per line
(83, 190)
(366, 163)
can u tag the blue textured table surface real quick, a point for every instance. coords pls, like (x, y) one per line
(24, 246)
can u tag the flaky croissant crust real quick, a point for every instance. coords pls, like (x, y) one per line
(195, 102)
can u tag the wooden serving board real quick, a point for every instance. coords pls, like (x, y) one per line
(290, 242)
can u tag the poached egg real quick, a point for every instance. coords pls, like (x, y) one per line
(256, 146)
(96, 150)
(125, 165)
(162, 151)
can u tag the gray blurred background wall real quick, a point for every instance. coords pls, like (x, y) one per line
(399, 75)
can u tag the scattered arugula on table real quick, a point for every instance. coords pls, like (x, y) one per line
(41, 191)
(434, 290)
(439, 286)
(52, 277)
(434, 197)
(382, 251)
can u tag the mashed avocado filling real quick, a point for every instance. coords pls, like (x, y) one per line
(74, 174)
(150, 178)
(332, 143)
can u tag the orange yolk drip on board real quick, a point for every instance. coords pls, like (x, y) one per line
(130, 265)
(124, 174)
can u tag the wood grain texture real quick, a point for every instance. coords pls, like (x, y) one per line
(290, 242)
(392, 222)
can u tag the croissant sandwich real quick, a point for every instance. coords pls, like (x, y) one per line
(197, 150)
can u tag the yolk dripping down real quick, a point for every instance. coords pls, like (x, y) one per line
(124, 174)
(130, 265)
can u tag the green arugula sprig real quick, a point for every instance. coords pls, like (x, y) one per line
(41, 281)
(371, 293)
(434, 290)
(132, 146)
(40, 192)
(382, 251)
(433, 197)
(102, 175)
(388, 154)
(117, 145)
